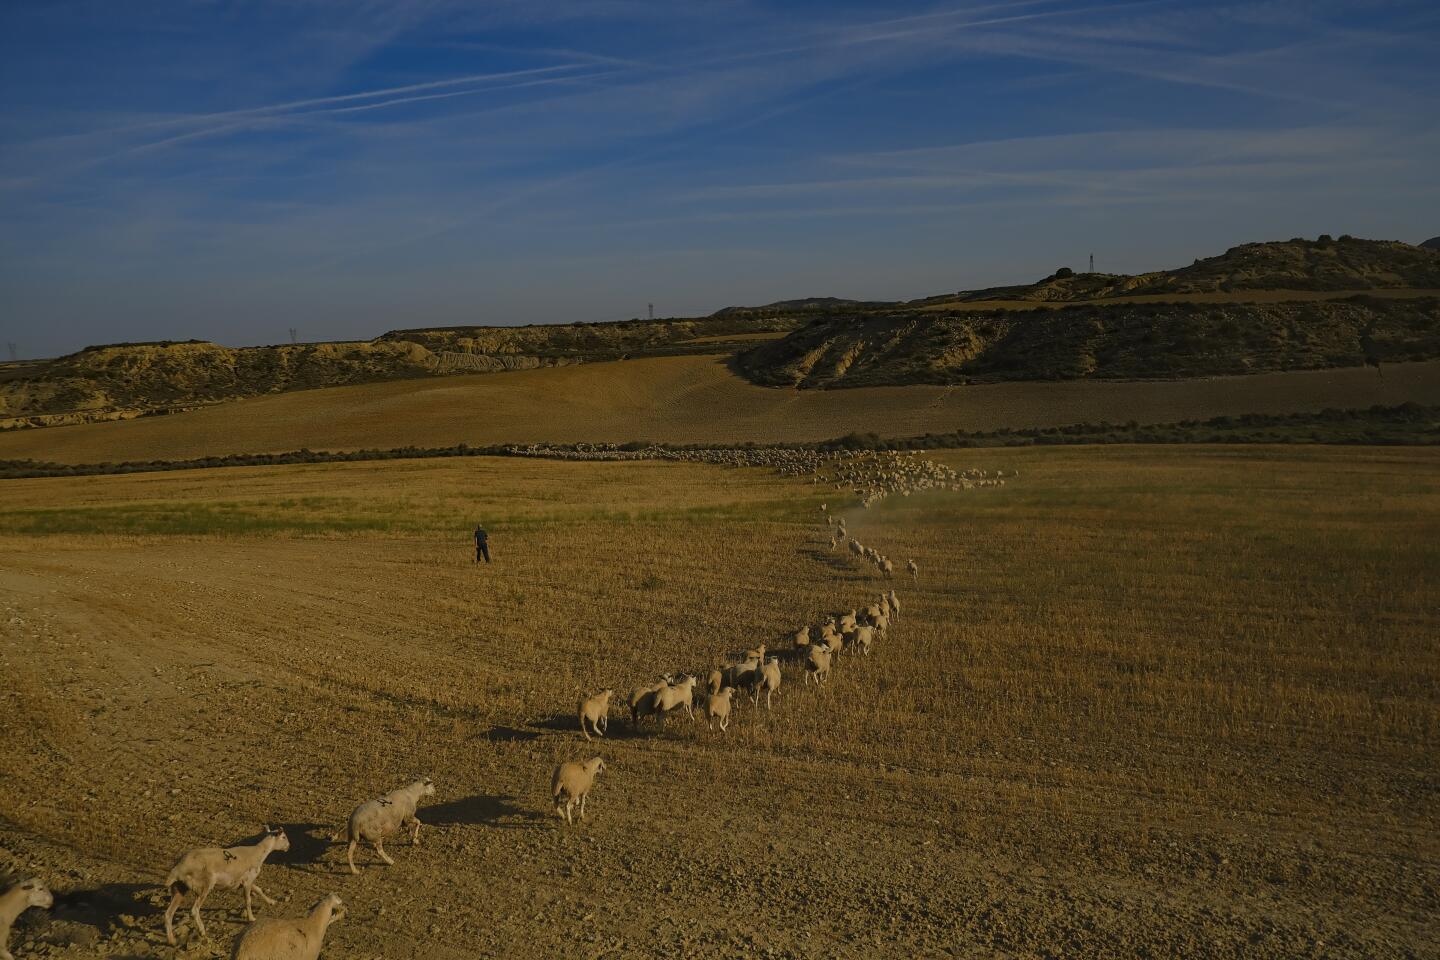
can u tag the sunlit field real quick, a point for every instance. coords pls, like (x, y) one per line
(1141, 701)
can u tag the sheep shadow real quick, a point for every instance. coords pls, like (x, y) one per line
(98, 907)
(835, 561)
(619, 728)
(491, 810)
(308, 842)
(499, 734)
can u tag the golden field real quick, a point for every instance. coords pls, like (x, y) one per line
(686, 400)
(1142, 701)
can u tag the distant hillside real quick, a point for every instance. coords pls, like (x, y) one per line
(127, 380)
(1432, 244)
(587, 342)
(1346, 264)
(1132, 341)
(805, 305)
(918, 340)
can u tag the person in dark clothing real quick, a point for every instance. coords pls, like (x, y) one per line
(482, 545)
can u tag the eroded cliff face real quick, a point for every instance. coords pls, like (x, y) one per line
(1123, 341)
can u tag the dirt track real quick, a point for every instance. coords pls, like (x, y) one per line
(165, 692)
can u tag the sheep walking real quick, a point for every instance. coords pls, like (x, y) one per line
(862, 637)
(595, 711)
(674, 695)
(374, 820)
(894, 606)
(801, 638)
(299, 939)
(28, 893)
(817, 664)
(769, 681)
(204, 869)
(642, 699)
(717, 707)
(913, 569)
(571, 785)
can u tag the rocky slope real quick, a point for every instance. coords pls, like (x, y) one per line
(1165, 340)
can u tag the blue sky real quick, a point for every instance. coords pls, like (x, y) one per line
(230, 170)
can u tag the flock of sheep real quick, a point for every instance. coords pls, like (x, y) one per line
(753, 674)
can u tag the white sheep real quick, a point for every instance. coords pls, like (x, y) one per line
(715, 681)
(596, 712)
(300, 939)
(861, 637)
(204, 869)
(757, 654)
(673, 695)
(848, 621)
(887, 568)
(717, 707)
(374, 820)
(894, 606)
(642, 700)
(802, 637)
(571, 785)
(28, 893)
(817, 664)
(914, 570)
(742, 674)
(769, 681)
(881, 623)
(871, 612)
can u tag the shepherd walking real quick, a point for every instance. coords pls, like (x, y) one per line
(482, 545)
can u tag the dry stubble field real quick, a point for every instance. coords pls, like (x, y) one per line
(1143, 701)
(687, 400)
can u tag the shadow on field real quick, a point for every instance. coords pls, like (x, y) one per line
(80, 917)
(308, 841)
(836, 561)
(620, 727)
(492, 810)
(509, 735)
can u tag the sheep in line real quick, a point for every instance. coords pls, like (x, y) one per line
(913, 569)
(300, 939)
(817, 664)
(30, 892)
(596, 712)
(861, 637)
(374, 820)
(203, 869)
(571, 784)
(642, 700)
(769, 682)
(673, 696)
(717, 707)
